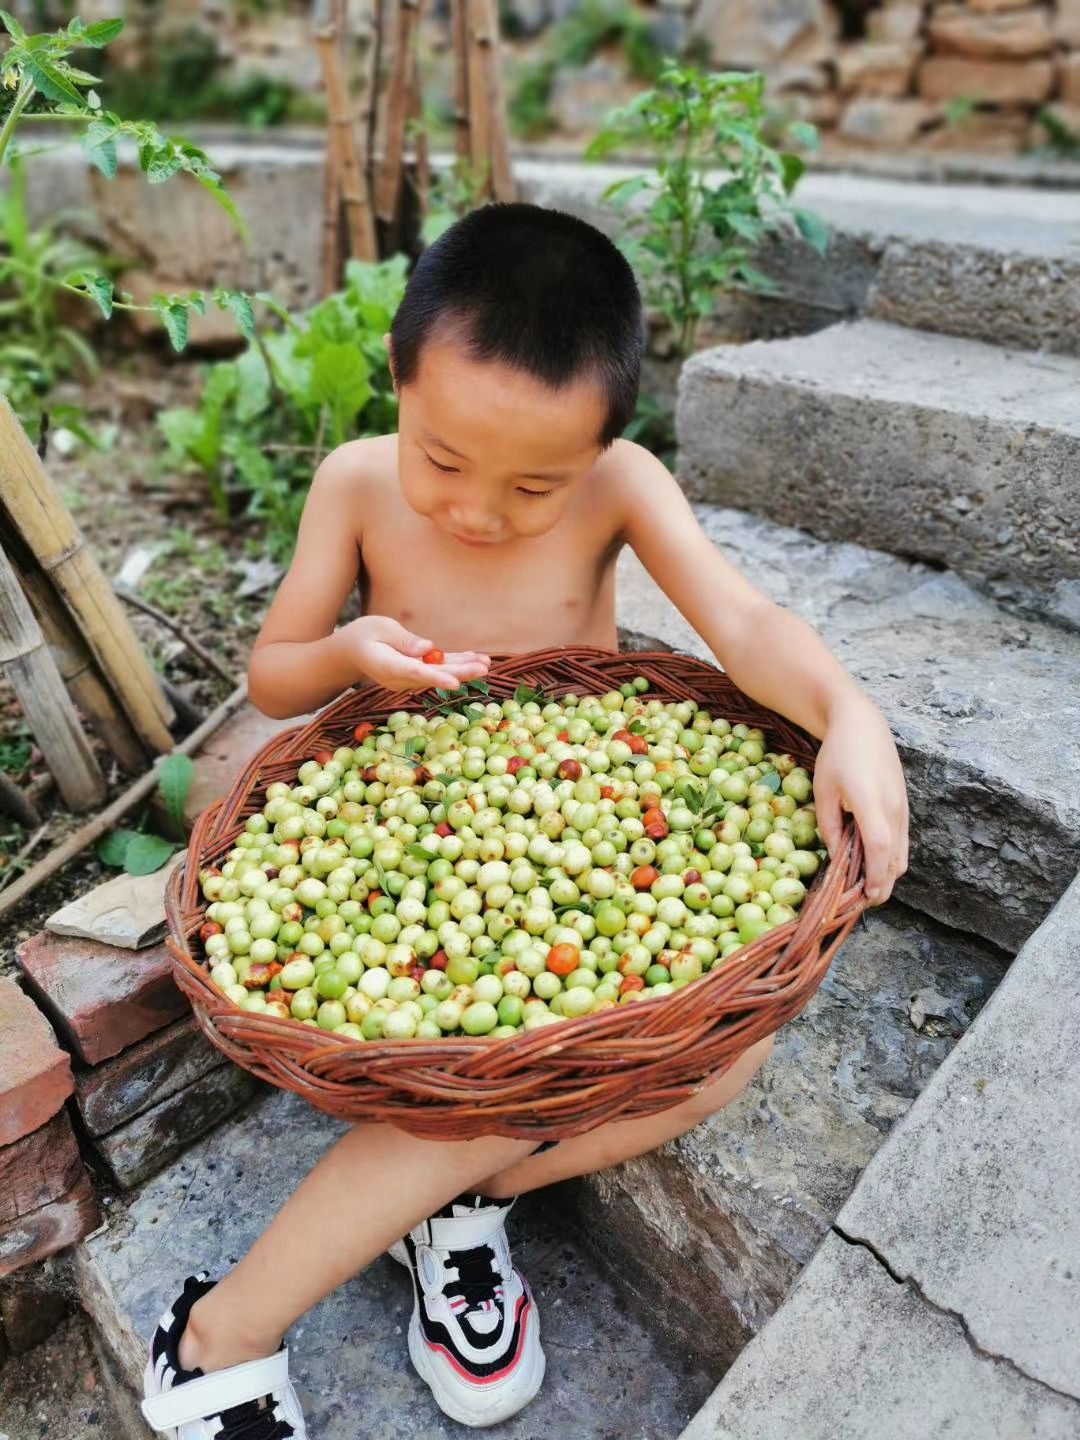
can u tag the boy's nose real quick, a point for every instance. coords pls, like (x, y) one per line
(476, 524)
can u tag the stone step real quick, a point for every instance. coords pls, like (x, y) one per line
(349, 1354)
(995, 262)
(750, 1193)
(983, 705)
(945, 1301)
(991, 262)
(945, 450)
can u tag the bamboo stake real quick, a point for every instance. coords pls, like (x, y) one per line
(479, 99)
(354, 189)
(421, 155)
(76, 665)
(369, 119)
(42, 519)
(330, 265)
(88, 833)
(27, 663)
(332, 210)
(388, 184)
(459, 45)
(497, 157)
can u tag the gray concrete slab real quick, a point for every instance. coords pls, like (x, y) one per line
(608, 1377)
(985, 707)
(749, 1193)
(997, 262)
(854, 1355)
(949, 451)
(975, 1195)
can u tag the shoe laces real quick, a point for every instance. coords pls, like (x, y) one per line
(251, 1421)
(477, 1277)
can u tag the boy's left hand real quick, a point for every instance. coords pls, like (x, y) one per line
(858, 770)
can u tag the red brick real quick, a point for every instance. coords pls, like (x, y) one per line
(101, 998)
(143, 1075)
(40, 1167)
(56, 1225)
(35, 1074)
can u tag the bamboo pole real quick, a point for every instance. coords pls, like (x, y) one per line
(332, 248)
(460, 48)
(42, 519)
(353, 180)
(388, 183)
(88, 833)
(369, 117)
(500, 172)
(479, 98)
(73, 659)
(29, 666)
(421, 155)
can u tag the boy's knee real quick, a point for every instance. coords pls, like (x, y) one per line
(721, 1091)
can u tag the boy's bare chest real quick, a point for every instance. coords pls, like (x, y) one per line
(535, 595)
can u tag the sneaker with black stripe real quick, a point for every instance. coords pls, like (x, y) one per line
(475, 1334)
(253, 1401)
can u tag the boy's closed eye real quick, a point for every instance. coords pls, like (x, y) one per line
(453, 470)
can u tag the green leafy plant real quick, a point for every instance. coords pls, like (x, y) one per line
(454, 192)
(264, 419)
(47, 86)
(572, 44)
(141, 851)
(38, 348)
(717, 192)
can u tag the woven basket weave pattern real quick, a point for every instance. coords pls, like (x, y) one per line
(560, 1080)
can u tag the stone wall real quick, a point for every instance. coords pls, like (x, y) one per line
(962, 75)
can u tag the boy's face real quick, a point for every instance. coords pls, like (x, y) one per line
(488, 454)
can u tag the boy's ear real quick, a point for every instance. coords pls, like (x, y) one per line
(390, 358)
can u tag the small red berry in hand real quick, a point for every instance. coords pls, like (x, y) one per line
(434, 657)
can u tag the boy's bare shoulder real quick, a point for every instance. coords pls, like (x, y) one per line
(628, 473)
(357, 470)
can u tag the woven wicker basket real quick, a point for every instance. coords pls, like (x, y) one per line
(563, 1079)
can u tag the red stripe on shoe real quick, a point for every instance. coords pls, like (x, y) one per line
(521, 1318)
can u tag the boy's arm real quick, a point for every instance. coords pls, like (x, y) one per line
(779, 660)
(300, 660)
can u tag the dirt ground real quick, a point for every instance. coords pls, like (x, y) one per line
(61, 1390)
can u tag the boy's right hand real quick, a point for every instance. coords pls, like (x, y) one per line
(391, 656)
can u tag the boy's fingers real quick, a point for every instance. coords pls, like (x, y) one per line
(827, 804)
(879, 855)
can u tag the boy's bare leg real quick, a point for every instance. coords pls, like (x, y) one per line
(372, 1187)
(623, 1139)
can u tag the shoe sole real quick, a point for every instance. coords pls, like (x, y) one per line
(151, 1388)
(447, 1400)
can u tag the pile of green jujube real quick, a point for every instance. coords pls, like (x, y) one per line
(505, 865)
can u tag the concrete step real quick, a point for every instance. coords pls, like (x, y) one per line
(349, 1355)
(995, 262)
(983, 705)
(945, 450)
(945, 1302)
(750, 1193)
(991, 262)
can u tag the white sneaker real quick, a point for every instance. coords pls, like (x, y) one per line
(475, 1333)
(255, 1401)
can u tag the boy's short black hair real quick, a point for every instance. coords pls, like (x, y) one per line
(536, 289)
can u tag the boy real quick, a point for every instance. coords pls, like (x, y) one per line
(493, 518)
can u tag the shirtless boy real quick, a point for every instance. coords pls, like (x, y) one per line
(490, 523)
